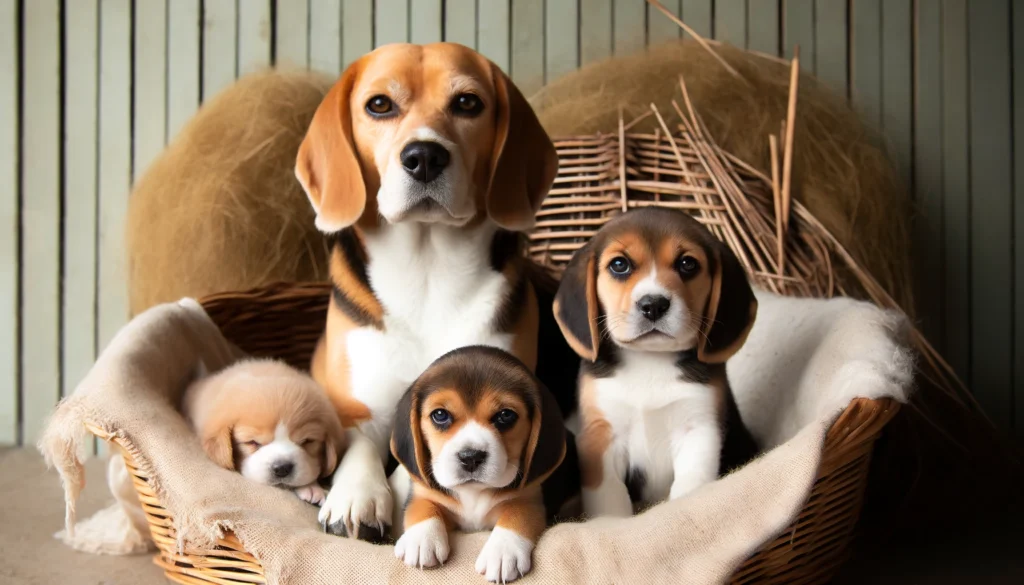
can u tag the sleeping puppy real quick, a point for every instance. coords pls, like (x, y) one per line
(270, 422)
(480, 435)
(655, 305)
(424, 165)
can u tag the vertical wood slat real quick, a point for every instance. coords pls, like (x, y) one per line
(562, 38)
(114, 165)
(763, 26)
(460, 22)
(660, 28)
(220, 44)
(253, 36)
(866, 60)
(928, 268)
(596, 31)
(956, 186)
(149, 84)
(40, 215)
(292, 34)
(391, 22)
(830, 46)
(731, 22)
(528, 45)
(9, 126)
(1018, 221)
(356, 30)
(991, 172)
(325, 36)
(699, 15)
(897, 83)
(81, 92)
(493, 27)
(183, 75)
(629, 28)
(798, 30)
(426, 17)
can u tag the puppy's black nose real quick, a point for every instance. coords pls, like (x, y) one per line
(471, 459)
(425, 160)
(282, 468)
(653, 306)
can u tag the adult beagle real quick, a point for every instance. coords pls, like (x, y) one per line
(424, 164)
(655, 305)
(480, 435)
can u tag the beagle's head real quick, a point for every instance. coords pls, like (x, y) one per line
(478, 417)
(425, 133)
(655, 279)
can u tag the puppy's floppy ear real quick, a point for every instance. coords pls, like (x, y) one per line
(546, 447)
(524, 162)
(575, 306)
(220, 448)
(406, 438)
(730, 310)
(334, 445)
(327, 164)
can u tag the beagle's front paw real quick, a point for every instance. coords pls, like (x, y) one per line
(424, 544)
(505, 557)
(312, 493)
(361, 509)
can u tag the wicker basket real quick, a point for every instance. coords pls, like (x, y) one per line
(599, 177)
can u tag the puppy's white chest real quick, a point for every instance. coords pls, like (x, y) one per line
(476, 507)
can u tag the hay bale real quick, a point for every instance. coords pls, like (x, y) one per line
(841, 171)
(220, 209)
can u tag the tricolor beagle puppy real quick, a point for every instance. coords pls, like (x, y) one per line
(424, 164)
(655, 305)
(480, 435)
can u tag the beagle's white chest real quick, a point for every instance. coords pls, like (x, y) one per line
(655, 417)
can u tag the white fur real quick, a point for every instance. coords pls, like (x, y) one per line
(675, 324)
(312, 493)
(399, 193)
(439, 293)
(663, 426)
(258, 466)
(476, 503)
(496, 471)
(424, 544)
(506, 556)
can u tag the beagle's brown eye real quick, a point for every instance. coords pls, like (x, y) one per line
(467, 104)
(441, 417)
(620, 266)
(687, 265)
(380, 105)
(505, 419)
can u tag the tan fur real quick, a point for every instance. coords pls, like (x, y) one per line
(595, 435)
(514, 439)
(330, 362)
(248, 400)
(841, 171)
(220, 208)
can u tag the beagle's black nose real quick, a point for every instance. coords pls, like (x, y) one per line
(653, 306)
(282, 468)
(471, 459)
(424, 160)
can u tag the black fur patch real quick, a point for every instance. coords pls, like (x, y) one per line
(512, 307)
(558, 365)
(691, 369)
(352, 310)
(347, 243)
(636, 481)
(606, 362)
(504, 247)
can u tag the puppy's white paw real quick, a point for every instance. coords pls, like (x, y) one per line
(424, 544)
(312, 493)
(357, 510)
(505, 557)
(682, 486)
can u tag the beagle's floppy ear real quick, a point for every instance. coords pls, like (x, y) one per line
(327, 164)
(407, 439)
(730, 310)
(219, 447)
(524, 162)
(575, 305)
(334, 444)
(546, 448)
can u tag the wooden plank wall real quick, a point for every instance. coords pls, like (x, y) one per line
(93, 89)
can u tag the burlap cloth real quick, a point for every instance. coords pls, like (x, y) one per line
(804, 361)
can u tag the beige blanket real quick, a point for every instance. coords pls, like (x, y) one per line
(804, 361)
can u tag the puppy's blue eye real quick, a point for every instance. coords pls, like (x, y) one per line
(505, 419)
(620, 266)
(441, 417)
(687, 265)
